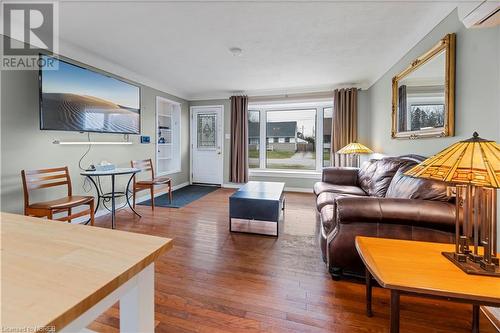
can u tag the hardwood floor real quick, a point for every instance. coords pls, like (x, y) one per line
(214, 281)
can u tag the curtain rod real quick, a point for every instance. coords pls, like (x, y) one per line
(322, 94)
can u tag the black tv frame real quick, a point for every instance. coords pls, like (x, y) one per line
(92, 69)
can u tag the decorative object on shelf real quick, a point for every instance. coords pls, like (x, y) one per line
(355, 148)
(473, 165)
(161, 140)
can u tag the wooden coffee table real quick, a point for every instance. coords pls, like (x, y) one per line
(419, 269)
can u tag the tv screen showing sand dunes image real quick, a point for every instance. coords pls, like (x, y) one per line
(78, 99)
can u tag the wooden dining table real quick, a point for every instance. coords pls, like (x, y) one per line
(60, 277)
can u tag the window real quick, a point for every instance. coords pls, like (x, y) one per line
(253, 139)
(327, 135)
(299, 125)
(289, 136)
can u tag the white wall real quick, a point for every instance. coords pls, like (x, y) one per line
(25, 146)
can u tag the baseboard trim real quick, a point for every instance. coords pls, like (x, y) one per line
(232, 185)
(287, 189)
(104, 211)
(298, 189)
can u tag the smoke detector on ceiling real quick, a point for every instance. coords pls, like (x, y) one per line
(236, 51)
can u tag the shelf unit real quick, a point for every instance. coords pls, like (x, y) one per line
(168, 159)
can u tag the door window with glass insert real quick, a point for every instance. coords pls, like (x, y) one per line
(207, 136)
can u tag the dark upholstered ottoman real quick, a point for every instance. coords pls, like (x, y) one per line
(257, 201)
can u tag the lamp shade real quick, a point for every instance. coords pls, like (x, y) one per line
(474, 161)
(354, 148)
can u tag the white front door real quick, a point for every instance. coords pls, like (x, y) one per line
(206, 144)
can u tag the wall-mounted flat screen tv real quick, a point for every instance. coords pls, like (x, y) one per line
(73, 98)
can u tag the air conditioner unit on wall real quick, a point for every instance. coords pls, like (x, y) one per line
(486, 14)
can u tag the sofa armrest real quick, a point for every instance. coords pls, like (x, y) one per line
(423, 213)
(340, 176)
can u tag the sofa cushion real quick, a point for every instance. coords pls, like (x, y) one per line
(375, 175)
(321, 187)
(407, 187)
(328, 198)
(340, 175)
(328, 218)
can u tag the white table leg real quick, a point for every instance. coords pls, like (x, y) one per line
(137, 305)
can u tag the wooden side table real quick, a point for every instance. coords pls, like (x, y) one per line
(419, 269)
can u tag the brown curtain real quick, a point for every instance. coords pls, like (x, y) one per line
(344, 125)
(239, 139)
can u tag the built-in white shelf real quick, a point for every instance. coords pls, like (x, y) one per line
(168, 151)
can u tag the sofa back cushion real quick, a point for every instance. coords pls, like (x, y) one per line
(406, 187)
(375, 175)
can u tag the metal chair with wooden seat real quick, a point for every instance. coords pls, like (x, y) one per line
(139, 185)
(45, 178)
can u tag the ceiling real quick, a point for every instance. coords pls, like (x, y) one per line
(288, 47)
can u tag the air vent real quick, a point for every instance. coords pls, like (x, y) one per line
(491, 20)
(487, 14)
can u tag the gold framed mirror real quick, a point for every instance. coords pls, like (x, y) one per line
(423, 95)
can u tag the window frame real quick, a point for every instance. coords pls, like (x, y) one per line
(263, 109)
(323, 136)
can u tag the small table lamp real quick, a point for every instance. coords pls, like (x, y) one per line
(355, 148)
(473, 166)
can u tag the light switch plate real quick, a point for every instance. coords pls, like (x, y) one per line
(228, 136)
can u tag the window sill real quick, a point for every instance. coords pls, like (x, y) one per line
(285, 173)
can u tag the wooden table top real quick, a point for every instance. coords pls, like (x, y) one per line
(52, 272)
(420, 267)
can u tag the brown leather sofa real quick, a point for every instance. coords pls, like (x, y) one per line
(378, 200)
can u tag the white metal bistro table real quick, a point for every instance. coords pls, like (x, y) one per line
(101, 195)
